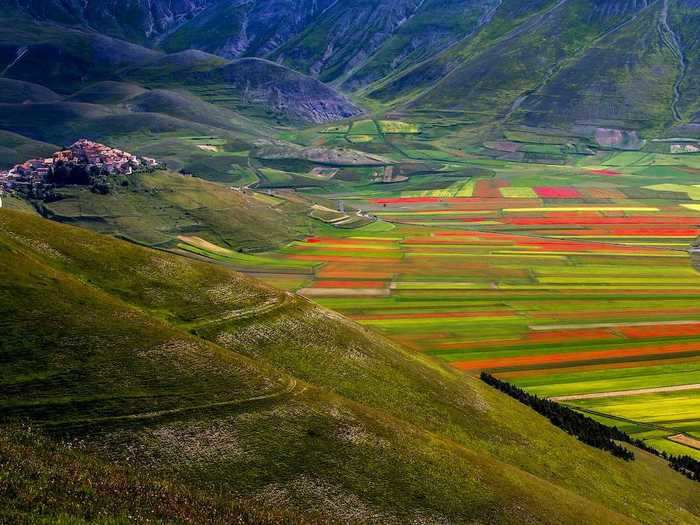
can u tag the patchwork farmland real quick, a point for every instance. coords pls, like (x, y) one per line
(569, 282)
(565, 279)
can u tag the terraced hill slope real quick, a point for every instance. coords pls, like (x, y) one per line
(214, 382)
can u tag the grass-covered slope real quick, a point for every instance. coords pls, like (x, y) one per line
(15, 148)
(18, 92)
(561, 64)
(253, 86)
(368, 40)
(156, 208)
(437, 25)
(210, 380)
(491, 80)
(60, 58)
(65, 122)
(48, 483)
(625, 78)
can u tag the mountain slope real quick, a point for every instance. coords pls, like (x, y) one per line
(139, 21)
(322, 417)
(569, 64)
(259, 83)
(60, 58)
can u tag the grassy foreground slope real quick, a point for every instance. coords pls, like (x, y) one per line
(211, 380)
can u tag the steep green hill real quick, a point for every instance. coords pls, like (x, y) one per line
(158, 207)
(208, 379)
(15, 148)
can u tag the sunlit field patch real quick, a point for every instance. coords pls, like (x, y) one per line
(606, 172)
(397, 126)
(360, 139)
(518, 192)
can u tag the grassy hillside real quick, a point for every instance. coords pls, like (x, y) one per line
(210, 380)
(107, 92)
(82, 489)
(74, 56)
(156, 208)
(563, 64)
(15, 148)
(252, 86)
(18, 92)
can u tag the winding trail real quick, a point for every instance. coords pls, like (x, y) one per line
(673, 42)
(21, 52)
(265, 307)
(289, 389)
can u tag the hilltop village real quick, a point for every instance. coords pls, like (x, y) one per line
(83, 163)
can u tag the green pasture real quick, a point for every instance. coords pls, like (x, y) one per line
(661, 409)
(364, 127)
(611, 380)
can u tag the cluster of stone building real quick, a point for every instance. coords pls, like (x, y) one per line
(32, 175)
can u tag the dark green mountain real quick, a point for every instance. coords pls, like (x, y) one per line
(579, 65)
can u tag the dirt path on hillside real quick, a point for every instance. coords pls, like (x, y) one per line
(627, 393)
(289, 390)
(272, 304)
(688, 441)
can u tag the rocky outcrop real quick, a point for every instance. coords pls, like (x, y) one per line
(287, 92)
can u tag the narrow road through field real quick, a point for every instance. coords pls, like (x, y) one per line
(580, 326)
(627, 393)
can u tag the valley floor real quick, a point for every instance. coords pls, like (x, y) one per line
(575, 283)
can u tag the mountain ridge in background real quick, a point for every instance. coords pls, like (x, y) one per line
(507, 63)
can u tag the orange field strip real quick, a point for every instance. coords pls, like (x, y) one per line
(587, 368)
(349, 284)
(502, 362)
(660, 330)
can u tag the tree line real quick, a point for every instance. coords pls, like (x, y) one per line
(590, 431)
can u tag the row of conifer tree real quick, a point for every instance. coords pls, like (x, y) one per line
(591, 431)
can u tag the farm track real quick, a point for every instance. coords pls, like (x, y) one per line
(261, 309)
(611, 325)
(628, 393)
(289, 389)
(651, 426)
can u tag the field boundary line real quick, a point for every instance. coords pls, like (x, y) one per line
(627, 393)
(546, 327)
